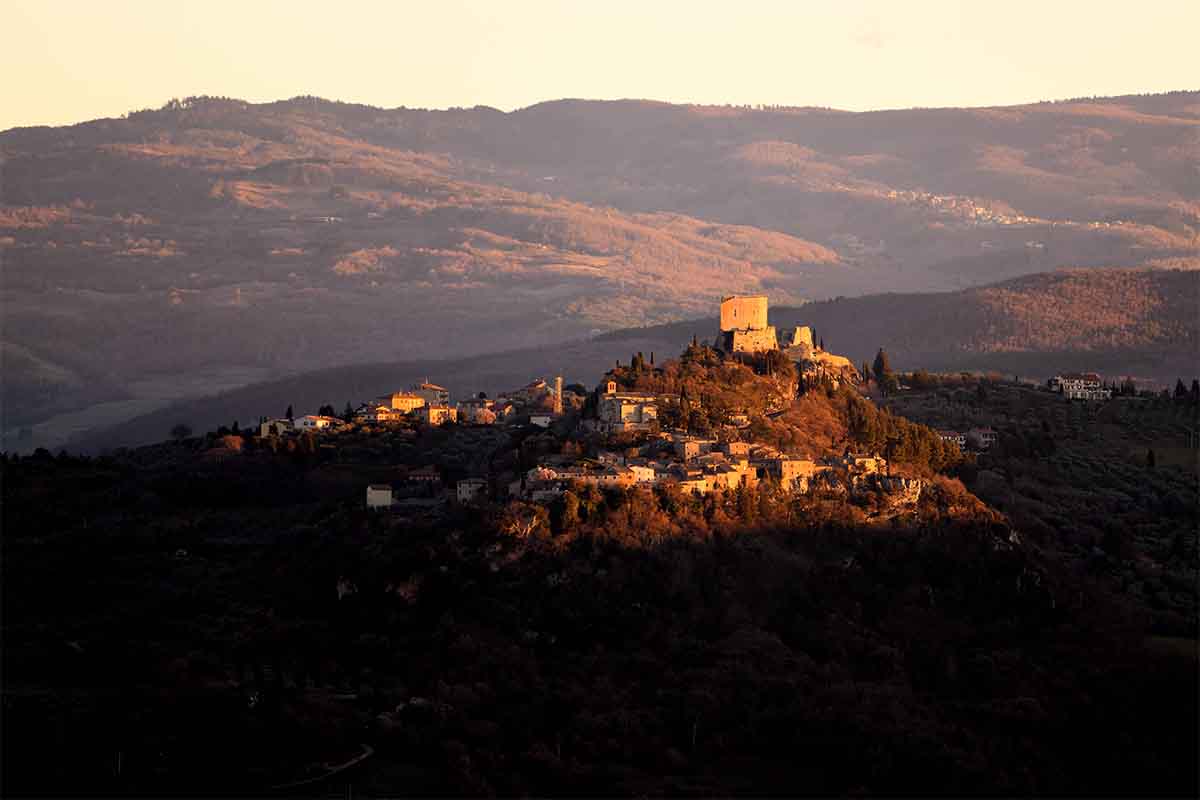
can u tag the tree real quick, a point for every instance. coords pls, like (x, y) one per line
(1181, 392)
(180, 432)
(326, 410)
(235, 430)
(1150, 459)
(348, 412)
(882, 365)
(822, 340)
(570, 517)
(290, 414)
(883, 373)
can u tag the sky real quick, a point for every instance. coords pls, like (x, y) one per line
(75, 60)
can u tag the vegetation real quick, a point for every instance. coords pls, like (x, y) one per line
(257, 624)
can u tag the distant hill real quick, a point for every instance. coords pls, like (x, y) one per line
(215, 236)
(1117, 321)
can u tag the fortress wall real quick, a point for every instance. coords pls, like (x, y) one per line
(753, 341)
(742, 312)
(803, 337)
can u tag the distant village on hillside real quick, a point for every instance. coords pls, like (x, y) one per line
(640, 449)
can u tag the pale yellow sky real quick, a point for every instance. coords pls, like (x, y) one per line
(65, 62)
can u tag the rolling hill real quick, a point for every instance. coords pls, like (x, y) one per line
(217, 241)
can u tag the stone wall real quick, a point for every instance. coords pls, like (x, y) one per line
(751, 341)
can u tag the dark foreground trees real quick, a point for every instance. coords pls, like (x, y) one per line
(627, 644)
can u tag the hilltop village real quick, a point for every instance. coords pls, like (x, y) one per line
(728, 414)
(643, 426)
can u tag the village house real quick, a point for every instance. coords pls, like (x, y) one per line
(431, 393)
(690, 447)
(643, 472)
(471, 490)
(379, 495)
(736, 449)
(425, 475)
(794, 473)
(274, 427)
(378, 413)
(623, 412)
(982, 438)
(404, 402)
(1080, 386)
(316, 422)
(532, 393)
(476, 411)
(730, 475)
(858, 463)
(435, 415)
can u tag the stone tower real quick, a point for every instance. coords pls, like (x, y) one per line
(743, 312)
(558, 397)
(744, 327)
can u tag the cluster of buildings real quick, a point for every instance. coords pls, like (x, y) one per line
(427, 403)
(694, 464)
(1080, 386)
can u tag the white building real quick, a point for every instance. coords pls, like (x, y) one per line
(315, 422)
(379, 495)
(1080, 386)
(982, 438)
(643, 473)
(541, 420)
(470, 490)
(275, 427)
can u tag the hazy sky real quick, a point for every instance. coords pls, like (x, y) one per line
(70, 61)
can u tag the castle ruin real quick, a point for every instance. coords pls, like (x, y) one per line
(744, 327)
